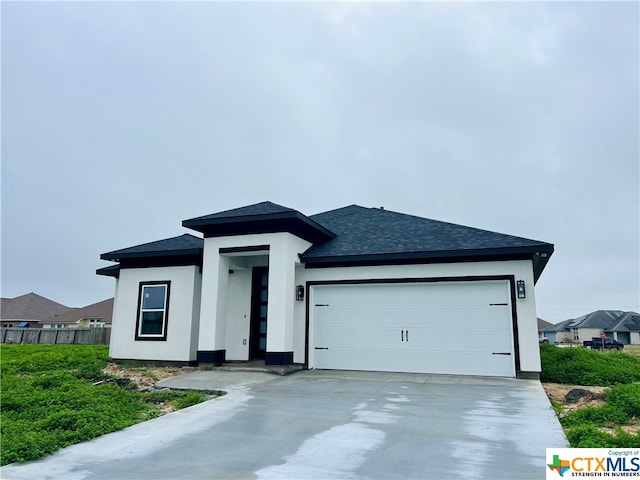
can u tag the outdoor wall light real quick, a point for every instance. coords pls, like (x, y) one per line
(520, 289)
(299, 293)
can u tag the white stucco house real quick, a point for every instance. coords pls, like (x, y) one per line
(353, 288)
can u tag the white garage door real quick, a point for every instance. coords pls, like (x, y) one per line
(460, 328)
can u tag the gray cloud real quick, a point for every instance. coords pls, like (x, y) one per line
(122, 119)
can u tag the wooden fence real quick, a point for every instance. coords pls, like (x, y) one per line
(81, 336)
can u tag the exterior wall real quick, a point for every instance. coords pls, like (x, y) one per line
(62, 325)
(182, 316)
(564, 337)
(520, 269)
(586, 334)
(635, 338)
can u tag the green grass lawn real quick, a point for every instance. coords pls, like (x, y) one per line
(54, 396)
(597, 427)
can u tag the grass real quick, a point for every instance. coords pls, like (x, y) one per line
(54, 396)
(601, 426)
(582, 366)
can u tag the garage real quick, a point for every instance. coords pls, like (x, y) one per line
(461, 327)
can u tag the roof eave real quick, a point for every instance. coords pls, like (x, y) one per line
(116, 256)
(110, 271)
(205, 221)
(292, 222)
(454, 256)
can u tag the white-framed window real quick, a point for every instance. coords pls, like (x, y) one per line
(575, 334)
(153, 309)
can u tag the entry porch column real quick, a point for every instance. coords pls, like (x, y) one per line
(283, 257)
(215, 280)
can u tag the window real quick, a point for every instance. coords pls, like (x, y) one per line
(153, 308)
(576, 336)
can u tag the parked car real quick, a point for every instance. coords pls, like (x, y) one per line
(606, 343)
(543, 340)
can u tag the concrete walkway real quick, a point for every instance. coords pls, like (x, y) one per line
(326, 425)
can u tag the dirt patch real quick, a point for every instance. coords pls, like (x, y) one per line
(569, 399)
(145, 377)
(558, 393)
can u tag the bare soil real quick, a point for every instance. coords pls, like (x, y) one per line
(558, 392)
(145, 377)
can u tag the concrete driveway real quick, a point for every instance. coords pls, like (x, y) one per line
(327, 425)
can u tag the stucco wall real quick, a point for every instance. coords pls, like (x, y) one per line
(182, 315)
(521, 269)
(224, 302)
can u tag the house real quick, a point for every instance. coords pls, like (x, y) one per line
(28, 310)
(623, 326)
(95, 315)
(542, 324)
(353, 288)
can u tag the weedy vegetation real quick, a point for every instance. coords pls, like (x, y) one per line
(616, 423)
(54, 396)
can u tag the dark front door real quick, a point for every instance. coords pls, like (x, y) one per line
(259, 295)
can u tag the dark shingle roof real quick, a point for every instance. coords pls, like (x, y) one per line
(264, 217)
(369, 234)
(183, 245)
(30, 306)
(605, 320)
(351, 235)
(262, 208)
(558, 327)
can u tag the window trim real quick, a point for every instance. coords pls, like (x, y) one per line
(165, 321)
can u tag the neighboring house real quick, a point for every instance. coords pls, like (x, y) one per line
(623, 326)
(542, 324)
(28, 310)
(354, 288)
(95, 315)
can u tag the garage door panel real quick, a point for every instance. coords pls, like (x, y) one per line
(452, 327)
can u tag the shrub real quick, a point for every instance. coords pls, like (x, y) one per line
(580, 366)
(191, 398)
(178, 398)
(626, 398)
(588, 436)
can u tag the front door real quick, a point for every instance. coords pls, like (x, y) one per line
(259, 295)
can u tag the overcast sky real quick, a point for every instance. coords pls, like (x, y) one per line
(120, 120)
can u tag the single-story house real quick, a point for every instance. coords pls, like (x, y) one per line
(542, 324)
(28, 310)
(623, 326)
(353, 288)
(95, 315)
